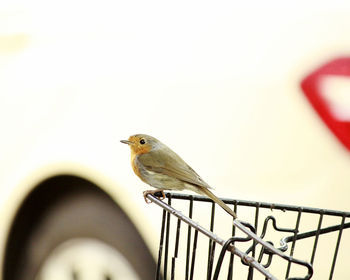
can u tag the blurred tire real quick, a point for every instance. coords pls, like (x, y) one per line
(79, 213)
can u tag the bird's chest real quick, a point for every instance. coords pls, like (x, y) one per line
(136, 166)
(140, 170)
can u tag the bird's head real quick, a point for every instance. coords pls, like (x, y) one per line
(141, 143)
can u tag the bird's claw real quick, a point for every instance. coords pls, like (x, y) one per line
(163, 195)
(152, 192)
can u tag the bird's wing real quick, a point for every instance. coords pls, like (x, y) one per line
(167, 162)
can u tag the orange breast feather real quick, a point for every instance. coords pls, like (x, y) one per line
(135, 165)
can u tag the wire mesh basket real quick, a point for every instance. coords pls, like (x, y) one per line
(311, 241)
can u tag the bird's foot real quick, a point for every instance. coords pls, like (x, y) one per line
(145, 193)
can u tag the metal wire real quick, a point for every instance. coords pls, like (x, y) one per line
(316, 238)
(230, 267)
(189, 239)
(194, 253)
(337, 248)
(272, 206)
(249, 260)
(158, 271)
(293, 242)
(211, 247)
(166, 251)
(247, 257)
(176, 250)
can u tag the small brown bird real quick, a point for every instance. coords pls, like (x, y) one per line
(161, 168)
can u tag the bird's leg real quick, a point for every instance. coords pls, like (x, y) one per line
(145, 193)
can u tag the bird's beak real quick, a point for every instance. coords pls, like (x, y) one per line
(126, 142)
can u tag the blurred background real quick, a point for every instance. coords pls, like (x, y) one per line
(253, 95)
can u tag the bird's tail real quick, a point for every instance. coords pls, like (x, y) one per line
(217, 200)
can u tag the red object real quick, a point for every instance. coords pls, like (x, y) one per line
(311, 87)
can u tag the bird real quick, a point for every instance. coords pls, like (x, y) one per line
(160, 167)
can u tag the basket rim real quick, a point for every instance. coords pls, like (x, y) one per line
(260, 204)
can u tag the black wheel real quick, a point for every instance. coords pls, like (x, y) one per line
(74, 229)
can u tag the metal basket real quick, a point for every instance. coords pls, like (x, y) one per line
(260, 258)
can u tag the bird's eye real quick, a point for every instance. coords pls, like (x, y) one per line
(142, 141)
